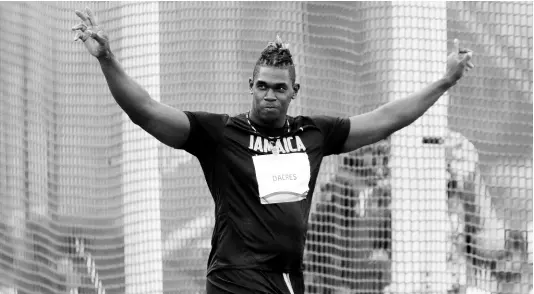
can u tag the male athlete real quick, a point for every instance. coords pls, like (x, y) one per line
(260, 166)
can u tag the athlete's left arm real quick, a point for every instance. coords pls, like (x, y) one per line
(378, 124)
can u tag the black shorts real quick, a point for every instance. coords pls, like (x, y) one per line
(249, 281)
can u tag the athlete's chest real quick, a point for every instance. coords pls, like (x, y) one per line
(241, 148)
(280, 168)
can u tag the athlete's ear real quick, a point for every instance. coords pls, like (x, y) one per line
(296, 88)
(250, 83)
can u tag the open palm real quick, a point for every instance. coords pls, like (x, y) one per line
(93, 37)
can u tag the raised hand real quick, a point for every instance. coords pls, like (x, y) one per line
(458, 62)
(93, 37)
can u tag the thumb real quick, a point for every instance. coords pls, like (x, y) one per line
(467, 56)
(456, 49)
(99, 36)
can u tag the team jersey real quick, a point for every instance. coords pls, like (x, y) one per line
(262, 186)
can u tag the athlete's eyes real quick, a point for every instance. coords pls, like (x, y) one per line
(263, 87)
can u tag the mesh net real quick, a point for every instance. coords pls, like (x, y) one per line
(88, 204)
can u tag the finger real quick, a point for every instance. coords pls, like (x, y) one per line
(468, 56)
(464, 58)
(456, 46)
(80, 36)
(465, 50)
(90, 16)
(83, 17)
(99, 36)
(470, 65)
(82, 27)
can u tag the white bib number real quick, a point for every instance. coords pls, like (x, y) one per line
(283, 177)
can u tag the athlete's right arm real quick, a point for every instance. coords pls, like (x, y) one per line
(169, 125)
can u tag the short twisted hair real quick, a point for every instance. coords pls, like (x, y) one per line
(276, 54)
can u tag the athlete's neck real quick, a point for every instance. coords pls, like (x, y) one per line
(256, 119)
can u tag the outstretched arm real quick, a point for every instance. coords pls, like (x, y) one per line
(167, 124)
(378, 124)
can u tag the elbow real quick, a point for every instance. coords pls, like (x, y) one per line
(138, 120)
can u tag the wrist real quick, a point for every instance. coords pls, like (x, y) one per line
(447, 81)
(108, 56)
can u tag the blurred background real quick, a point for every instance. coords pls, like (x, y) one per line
(91, 204)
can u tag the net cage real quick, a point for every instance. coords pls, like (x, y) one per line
(91, 204)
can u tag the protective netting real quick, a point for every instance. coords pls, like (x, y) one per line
(89, 204)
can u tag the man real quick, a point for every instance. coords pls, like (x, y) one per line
(349, 237)
(357, 213)
(487, 252)
(260, 166)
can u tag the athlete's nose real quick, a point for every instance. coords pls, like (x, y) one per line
(270, 96)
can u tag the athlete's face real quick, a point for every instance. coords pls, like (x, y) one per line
(272, 92)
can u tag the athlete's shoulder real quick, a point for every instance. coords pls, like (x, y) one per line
(206, 114)
(238, 121)
(206, 118)
(238, 117)
(303, 119)
(325, 123)
(205, 130)
(315, 120)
